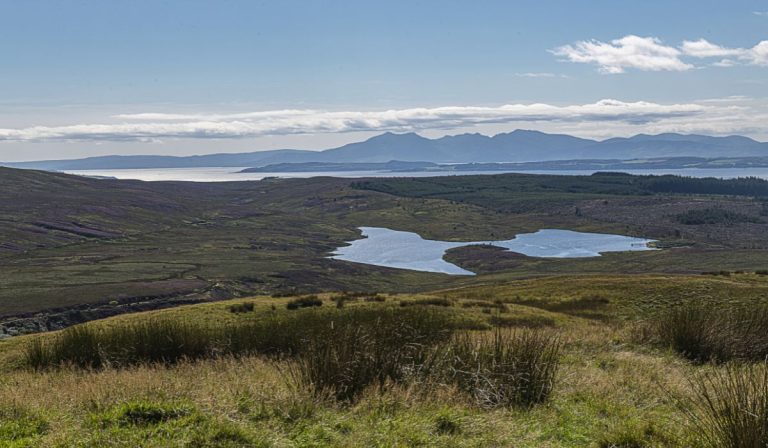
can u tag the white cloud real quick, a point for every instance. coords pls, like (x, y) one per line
(650, 54)
(704, 49)
(758, 54)
(761, 13)
(736, 115)
(154, 126)
(642, 53)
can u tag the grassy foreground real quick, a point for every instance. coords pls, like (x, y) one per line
(615, 385)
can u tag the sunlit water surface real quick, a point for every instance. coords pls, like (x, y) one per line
(406, 250)
(232, 173)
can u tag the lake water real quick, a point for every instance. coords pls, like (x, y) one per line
(406, 250)
(231, 174)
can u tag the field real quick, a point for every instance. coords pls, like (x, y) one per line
(614, 387)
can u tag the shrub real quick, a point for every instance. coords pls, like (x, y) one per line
(505, 368)
(245, 307)
(729, 406)
(304, 302)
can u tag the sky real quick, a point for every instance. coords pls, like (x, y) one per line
(179, 77)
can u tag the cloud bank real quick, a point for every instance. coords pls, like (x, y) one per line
(158, 126)
(651, 54)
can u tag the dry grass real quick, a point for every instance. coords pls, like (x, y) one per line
(610, 390)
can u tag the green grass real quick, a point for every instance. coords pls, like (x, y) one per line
(607, 388)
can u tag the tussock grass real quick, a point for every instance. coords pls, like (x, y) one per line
(506, 367)
(707, 332)
(336, 353)
(152, 341)
(729, 406)
(78, 346)
(382, 337)
(304, 302)
(245, 400)
(433, 301)
(525, 322)
(365, 348)
(239, 308)
(500, 306)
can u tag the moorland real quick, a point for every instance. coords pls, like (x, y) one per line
(265, 341)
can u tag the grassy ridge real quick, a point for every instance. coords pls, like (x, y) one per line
(613, 385)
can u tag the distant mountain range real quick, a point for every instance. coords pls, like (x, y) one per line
(665, 163)
(517, 146)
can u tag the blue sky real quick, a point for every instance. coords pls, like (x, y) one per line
(78, 78)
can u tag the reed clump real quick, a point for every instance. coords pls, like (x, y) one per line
(720, 333)
(728, 406)
(509, 368)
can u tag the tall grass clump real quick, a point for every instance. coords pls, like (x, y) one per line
(365, 347)
(92, 347)
(707, 332)
(688, 330)
(428, 301)
(239, 308)
(337, 352)
(511, 368)
(729, 406)
(304, 302)
(78, 346)
(158, 341)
